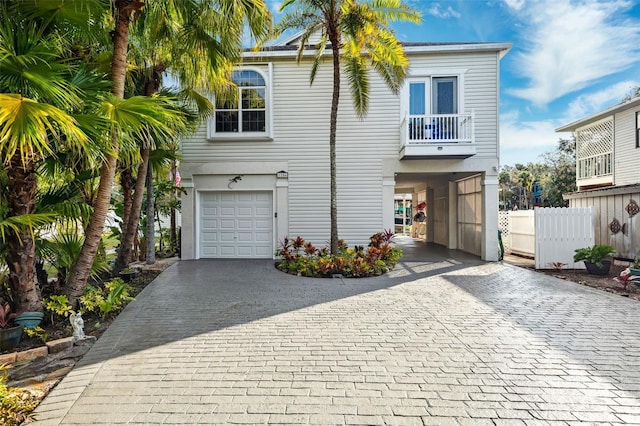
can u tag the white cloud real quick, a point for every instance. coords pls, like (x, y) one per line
(515, 4)
(524, 141)
(590, 103)
(438, 11)
(571, 44)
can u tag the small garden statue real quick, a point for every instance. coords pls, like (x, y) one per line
(78, 326)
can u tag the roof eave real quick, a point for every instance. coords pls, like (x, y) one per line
(289, 51)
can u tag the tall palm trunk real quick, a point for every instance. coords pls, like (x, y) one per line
(335, 47)
(133, 217)
(21, 192)
(129, 232)
(93, 234)
(151, 230)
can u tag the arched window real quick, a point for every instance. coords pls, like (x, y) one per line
(246, 112)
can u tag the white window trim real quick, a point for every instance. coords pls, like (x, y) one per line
(426, 75)
(249, 136)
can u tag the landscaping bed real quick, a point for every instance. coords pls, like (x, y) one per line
(604, 283)
(37, 366)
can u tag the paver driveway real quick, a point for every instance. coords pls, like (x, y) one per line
(448, 340)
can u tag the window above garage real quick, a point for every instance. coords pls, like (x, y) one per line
(245, 113)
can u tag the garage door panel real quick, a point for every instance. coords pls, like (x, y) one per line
(210, 251)
(227, 251)
(263, 236)
(263, 224)
(244, 224)
(227, 224)
(262, 252)
(209, 236)
(263, 212)
(227, 236)
(245, 237)
(236, 224)
(209, 224)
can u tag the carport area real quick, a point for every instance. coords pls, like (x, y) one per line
(443, 339)
(456, 210)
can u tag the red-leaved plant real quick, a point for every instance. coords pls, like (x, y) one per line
(6, 316)
(626, 278)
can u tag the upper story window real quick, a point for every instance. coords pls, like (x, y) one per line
(433, 95)
(246, 113)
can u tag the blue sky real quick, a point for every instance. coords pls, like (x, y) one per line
(569, 59)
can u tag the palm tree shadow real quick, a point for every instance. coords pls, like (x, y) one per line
(192, 298)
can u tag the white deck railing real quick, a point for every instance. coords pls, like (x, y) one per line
(595, 166)
(437, 129)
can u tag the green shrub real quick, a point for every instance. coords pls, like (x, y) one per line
(301, 258)
(595, 254)
(115, 295)
(57, 305)
(16, 405)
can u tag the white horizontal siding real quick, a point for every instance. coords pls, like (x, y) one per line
(625, 152)
(301, 132)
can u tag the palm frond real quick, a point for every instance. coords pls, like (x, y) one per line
(18, 224)
(27, 127)
(358, 77)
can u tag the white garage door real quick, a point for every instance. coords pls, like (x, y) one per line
(236, 224)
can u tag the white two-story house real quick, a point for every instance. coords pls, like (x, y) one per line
(259, 169)
(608, 174)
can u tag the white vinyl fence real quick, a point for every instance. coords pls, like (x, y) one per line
(550, 235)
(522, 232)
(559, 232)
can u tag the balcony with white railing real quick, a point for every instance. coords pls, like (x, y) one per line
(594, 154)
(437, 136)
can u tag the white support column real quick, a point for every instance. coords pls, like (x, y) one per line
(282, 210)
(188, 238)
(388, 192)
(489, 218)
(431, 208)
(453, 216)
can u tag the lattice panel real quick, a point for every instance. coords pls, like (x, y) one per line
(596, 139)
(503, 225)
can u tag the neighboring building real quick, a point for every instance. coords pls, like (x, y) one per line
(608, 176)
(259, 169)
(536, 194)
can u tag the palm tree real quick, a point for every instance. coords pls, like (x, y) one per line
(199, 42)
(36, 95)
(358, 34)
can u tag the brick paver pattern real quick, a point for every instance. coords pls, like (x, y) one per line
(435, 342)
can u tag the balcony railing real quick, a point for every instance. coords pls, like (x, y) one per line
(440, 135)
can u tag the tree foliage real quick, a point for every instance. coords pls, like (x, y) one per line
(554, 174)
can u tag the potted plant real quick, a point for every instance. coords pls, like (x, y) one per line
(594, 258)
(30, 319)
(10, 333)
(128, 274)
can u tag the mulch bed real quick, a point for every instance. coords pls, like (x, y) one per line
(604, 283)
(93, 324)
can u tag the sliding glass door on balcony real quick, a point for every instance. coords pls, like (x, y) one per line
(433, 111)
